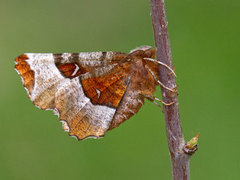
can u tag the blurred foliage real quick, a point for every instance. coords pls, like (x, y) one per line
(204, 40)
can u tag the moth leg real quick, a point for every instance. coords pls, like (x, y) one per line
(159, 82)
(155, 100)
(152, 99)
(172, 72)
(159, 62)
(161, 101)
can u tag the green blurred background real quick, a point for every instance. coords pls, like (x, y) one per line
(205, 43)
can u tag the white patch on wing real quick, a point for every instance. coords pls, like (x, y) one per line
(46, 73)
(65, 57)
(88, 56)
(98, 93)
(90, 59)
(98, 72)
(76, 70)
(94, 59)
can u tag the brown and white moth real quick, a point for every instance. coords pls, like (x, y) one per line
(91, 92)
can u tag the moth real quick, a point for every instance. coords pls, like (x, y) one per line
(93, 92)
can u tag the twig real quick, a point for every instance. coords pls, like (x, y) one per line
(177, 147)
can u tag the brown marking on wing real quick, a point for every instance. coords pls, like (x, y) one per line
(25, 71)
(68, 69)
(110, 87)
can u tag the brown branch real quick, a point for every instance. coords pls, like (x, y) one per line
(178, 150)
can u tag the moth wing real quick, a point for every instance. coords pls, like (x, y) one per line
(88, 104)
(49, 88)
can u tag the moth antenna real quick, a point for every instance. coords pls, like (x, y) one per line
(159, 62)
(159, 82)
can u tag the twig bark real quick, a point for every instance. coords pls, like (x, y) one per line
(179, 157)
